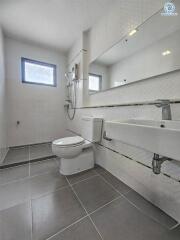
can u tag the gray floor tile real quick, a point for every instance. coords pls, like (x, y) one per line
(46, 183)
(40, 151)
(41, 167)
(100, 170)
(120, 220)
(94, 193)
(17, 192)
(171, 235)
(115, 182)
(81, 176)
(54, 212)
(151, 210)
(14, 173)
(16, 155)
(83, 230)
(15, 223)
(14, 193)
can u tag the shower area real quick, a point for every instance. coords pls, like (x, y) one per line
(21, 155)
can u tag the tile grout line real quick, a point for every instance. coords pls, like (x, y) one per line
(98, 174)
(83, 217)
(28, 160)
(28, 177)
(84, 179)
(79, 220)
(97, 230)
(65, 228)
(14, 181)
(115, 199)
(19, 164)
(38, 197)
(87, 215)
(31, 219)
(2, 169)
(139, 209)
(109, 184)
(40, 174)
(48, 193)
(30, 198)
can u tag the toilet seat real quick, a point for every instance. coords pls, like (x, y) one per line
(70, 147)
(69, 142)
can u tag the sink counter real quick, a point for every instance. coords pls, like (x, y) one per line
(160, 137)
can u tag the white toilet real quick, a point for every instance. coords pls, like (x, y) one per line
(76, 153)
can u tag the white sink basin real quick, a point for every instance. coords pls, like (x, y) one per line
(160, 137)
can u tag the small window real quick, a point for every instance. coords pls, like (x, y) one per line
(94, 82)
(36, 72)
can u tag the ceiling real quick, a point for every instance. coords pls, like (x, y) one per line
(51, 23)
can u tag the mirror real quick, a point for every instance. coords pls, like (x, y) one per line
(150, 50)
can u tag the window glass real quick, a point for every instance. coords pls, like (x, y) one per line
(38, 72)
(94, 82)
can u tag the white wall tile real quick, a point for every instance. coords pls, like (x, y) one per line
(160, 190)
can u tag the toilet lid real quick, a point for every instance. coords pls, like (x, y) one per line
(68, 141)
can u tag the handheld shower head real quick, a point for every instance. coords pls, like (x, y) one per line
(67, 76)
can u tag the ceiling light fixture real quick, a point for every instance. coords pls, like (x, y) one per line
(132, 32)
(167, 52)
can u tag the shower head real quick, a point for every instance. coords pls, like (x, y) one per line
(67, 76)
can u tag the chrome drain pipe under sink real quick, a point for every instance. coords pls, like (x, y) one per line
(157, 162)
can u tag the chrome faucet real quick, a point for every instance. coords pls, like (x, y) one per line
(166, 108)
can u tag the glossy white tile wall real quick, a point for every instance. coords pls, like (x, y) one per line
(161, 190)
(40, 109)
(3, 133)
(121, 113)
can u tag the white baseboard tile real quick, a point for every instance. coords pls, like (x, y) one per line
(162, 191)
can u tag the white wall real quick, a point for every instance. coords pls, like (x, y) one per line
(3, 133)
(161, 190)
(40, 109)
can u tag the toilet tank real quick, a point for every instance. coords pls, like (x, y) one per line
(91, 128)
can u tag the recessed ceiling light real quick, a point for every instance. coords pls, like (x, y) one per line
(167, 52)
(132, 32)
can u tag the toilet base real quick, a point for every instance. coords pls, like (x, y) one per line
(78, 164)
